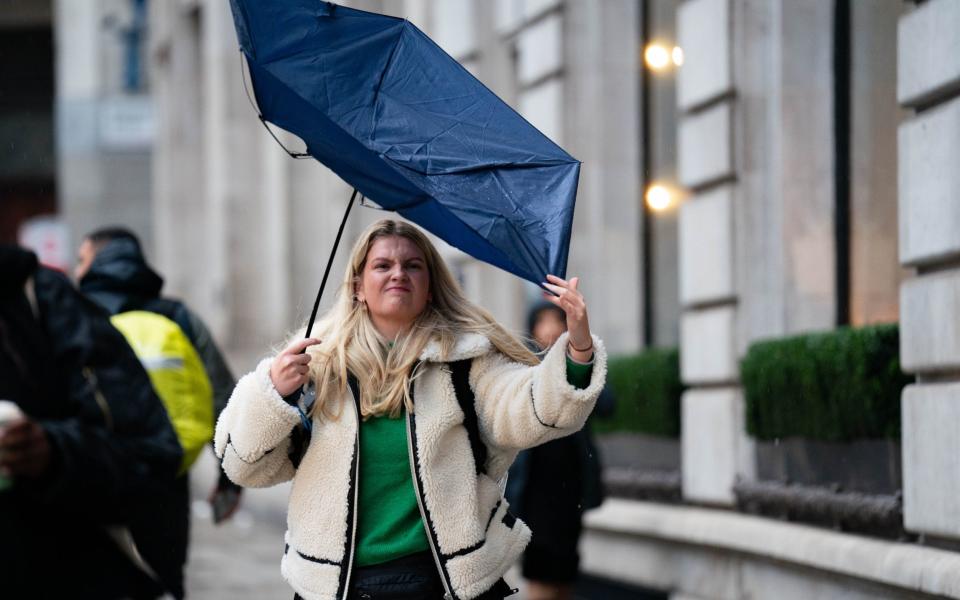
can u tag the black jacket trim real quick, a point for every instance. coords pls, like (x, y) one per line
(426, 510)
(460, 374)
(314, 559)
(464, 551)
(242, 459)
(322, 561)
(348, 546)
(537, 415)
(492, 513)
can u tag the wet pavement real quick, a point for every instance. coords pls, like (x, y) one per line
(239, 559)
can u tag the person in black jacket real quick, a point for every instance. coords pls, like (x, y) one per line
(92, 452)
(112, 271)
(551, 485)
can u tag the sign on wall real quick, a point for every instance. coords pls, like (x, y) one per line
(126, 123)
(49, 238)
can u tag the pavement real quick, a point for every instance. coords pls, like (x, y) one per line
(240, 559)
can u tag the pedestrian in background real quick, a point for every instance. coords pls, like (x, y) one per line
(551, 485)
(422, 401)
(112, 271)
(90, 449)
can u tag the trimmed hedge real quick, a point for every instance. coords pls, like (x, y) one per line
(836, 386)
(647, 390)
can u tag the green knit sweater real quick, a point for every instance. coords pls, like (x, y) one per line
(389, 524)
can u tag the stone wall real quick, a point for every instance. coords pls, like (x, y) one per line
(714, 554)
(929, 216)
(103, 165)
(715, 450)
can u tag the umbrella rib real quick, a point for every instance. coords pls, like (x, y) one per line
(263, 121)
(481, 168)
(383, 75)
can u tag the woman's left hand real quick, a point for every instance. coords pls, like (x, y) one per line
(580, 343)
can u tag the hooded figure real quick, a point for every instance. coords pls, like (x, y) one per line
(550, 486)
(93, 450)
(113, 273)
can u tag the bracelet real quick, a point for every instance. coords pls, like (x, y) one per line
(587, 349)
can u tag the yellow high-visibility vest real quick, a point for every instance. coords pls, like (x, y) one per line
(177, 375)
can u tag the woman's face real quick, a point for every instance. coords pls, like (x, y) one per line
(395, 284)
(548, 326)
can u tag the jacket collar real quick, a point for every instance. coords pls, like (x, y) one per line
(120, 268)
(468, 345)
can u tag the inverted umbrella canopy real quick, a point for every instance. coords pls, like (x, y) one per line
(392, 114)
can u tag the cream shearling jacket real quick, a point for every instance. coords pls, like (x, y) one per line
(473, 537)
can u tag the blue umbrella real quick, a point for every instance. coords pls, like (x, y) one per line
(380, 104)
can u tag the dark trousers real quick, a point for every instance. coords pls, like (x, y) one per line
(412, 577)
(162, 535)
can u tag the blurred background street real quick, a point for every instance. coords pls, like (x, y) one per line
(239, 559)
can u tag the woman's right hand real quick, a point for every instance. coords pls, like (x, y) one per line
(290, 369)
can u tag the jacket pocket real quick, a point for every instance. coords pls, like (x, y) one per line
(478, 570)
(310, 576)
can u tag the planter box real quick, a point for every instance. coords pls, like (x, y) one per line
(641, 466)
(639, 451)
(867, 466)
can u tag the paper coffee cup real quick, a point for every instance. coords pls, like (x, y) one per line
(9, 411)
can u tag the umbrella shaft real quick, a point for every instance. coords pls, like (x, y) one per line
(326, 272)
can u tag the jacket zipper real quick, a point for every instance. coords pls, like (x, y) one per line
(356, 494)
(423, 513)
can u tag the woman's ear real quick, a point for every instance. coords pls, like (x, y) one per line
(358, 289)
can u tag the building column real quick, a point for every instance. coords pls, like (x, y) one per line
(103, 131)
(715, 450)
(219, 56)
(600, 125)
(180, 223)
(929, 218)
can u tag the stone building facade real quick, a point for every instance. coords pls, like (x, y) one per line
(788, 231)
(929, 228)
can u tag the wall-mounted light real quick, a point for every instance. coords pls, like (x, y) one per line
(659, 197)
(677, 55)
(659, 57)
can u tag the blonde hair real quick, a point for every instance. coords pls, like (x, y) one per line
(351, 343)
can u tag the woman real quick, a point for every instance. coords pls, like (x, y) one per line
(550, 486)
(388, 500)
